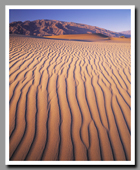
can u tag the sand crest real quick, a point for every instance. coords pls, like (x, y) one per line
(69, 100)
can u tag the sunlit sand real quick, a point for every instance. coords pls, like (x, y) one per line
(69, 99)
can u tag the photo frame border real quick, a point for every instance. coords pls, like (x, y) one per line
(132, 8)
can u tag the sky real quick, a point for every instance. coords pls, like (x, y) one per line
(111, 19)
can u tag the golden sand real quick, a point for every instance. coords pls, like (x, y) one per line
(69, 100)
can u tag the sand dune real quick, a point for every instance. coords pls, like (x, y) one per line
(69, 100)
(89, 37)
(78, 37)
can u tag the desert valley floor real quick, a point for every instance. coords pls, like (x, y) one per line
(69, 100)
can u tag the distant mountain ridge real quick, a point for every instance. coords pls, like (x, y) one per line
(54, 27)
(126, 32)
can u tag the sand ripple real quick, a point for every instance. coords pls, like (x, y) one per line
(69, 100)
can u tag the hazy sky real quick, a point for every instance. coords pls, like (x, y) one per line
(111, 19)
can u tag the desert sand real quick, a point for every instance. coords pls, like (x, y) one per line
(89, 38)
(69, 100)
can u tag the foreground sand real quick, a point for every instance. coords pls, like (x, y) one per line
(69, 100)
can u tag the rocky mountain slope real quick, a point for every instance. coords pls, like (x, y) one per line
(54, 27)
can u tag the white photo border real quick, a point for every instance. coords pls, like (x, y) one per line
(132, 161)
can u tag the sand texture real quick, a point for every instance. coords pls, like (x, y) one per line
(69, 100)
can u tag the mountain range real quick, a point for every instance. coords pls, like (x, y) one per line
(54, 27)
(126, 32)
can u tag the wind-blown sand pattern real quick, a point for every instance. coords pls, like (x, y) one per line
(69, 100)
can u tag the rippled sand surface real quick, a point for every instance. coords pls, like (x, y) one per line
(69, 100)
